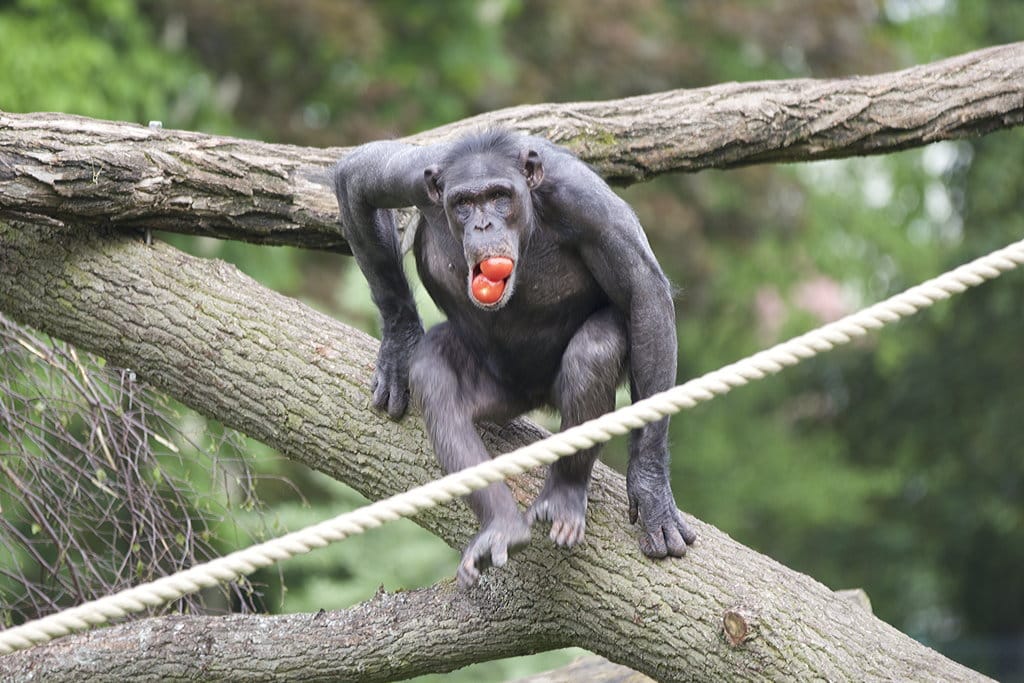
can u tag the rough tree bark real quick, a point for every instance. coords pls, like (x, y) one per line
(297, 380)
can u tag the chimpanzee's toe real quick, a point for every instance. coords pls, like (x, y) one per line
(565, 507)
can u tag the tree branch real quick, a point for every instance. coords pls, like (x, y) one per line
(440, 629)
(738, 124)
(84, 170)
(390, 637)
(297, 380)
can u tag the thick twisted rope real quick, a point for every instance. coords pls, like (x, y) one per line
(543, 452)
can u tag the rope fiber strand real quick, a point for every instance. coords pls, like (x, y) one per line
(546, 451)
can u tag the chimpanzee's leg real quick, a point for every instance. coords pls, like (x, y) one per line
(453, 390)
(592, 367)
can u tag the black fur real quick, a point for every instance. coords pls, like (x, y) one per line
(585, 303)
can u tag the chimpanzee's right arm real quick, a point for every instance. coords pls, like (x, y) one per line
(369, 181)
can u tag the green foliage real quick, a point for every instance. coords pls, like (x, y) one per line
(98, 58)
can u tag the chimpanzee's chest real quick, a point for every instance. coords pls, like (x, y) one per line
(554, 293)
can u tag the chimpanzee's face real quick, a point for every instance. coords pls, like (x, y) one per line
(487, 201)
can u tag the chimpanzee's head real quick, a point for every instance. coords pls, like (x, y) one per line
(484, 185)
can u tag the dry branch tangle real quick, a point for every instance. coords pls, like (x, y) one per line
(73, 168)
(297, 380)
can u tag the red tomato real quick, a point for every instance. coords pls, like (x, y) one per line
(497, 267)
(487, 291)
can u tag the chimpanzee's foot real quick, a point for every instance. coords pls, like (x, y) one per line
(664, 529)
(565, 506)
(666, 535)
(503, 535)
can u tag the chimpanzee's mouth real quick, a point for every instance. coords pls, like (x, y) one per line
(489, 285)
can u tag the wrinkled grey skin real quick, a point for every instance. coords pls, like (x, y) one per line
(586, 302)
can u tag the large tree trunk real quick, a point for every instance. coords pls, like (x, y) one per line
(297, 380)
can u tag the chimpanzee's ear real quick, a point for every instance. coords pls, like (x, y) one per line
(529, 160)
(430, 177)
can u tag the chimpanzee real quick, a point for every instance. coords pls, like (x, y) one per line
(551, 292)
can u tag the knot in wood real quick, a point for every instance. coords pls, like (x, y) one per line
(737, 626)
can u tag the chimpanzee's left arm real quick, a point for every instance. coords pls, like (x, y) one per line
(612, 243)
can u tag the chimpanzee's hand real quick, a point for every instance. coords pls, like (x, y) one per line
(391, 378)
(664, 531)
(503, 535)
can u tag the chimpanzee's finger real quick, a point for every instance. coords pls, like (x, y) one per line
(674, 543)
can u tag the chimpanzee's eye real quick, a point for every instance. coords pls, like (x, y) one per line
(463, 208)
(502, 203)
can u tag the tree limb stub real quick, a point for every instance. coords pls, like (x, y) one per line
(101, 172)
(297, 380)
